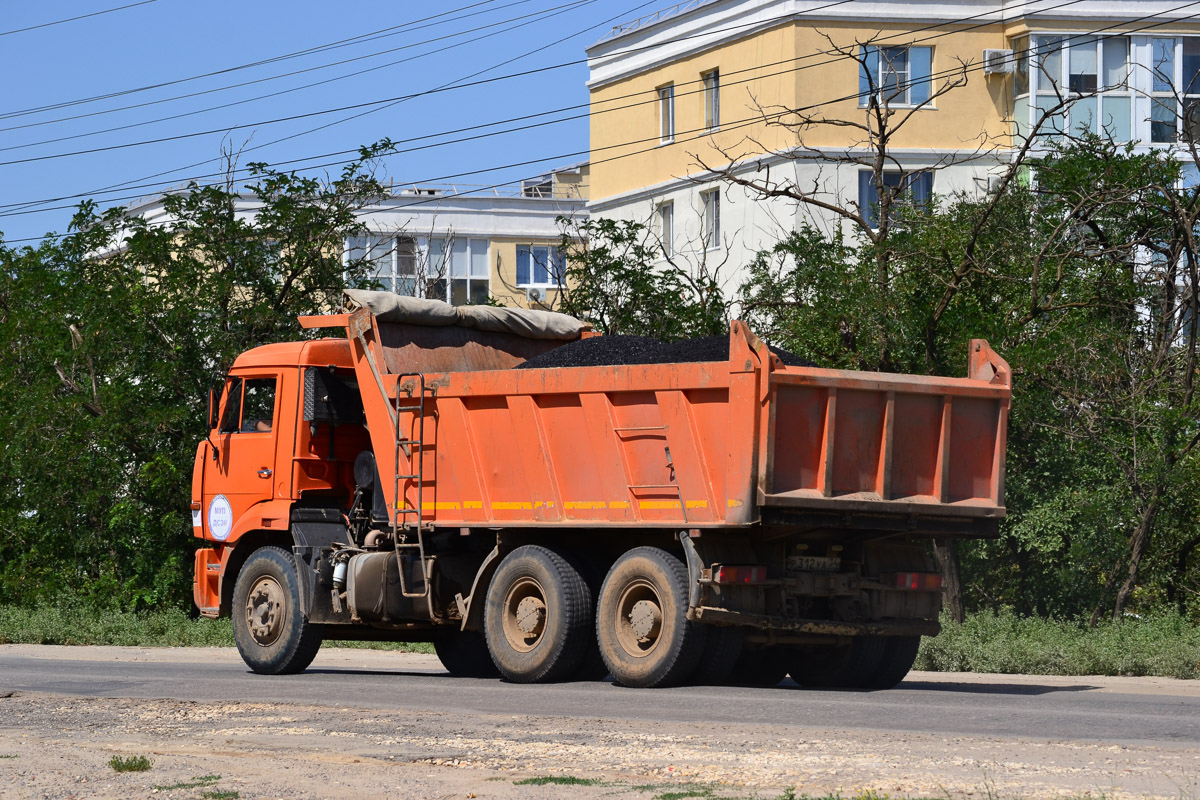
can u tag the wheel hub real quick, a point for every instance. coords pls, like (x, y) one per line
(264, 611)
(531, 616)
(525, 614)
(645, 619)
(640, 620)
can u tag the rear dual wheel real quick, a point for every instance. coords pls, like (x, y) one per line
(641, 620)
(866, 662)
(538, 618)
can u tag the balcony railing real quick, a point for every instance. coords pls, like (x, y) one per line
(650, 19)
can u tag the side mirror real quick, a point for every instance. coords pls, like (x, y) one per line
(212, 408)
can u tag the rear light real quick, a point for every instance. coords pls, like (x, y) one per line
(739, 574)
(920, 581)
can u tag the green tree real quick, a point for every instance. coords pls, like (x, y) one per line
(113, 335)
(618, 279)
(1086, 280)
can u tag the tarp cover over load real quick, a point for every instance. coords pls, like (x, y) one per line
(523, 322)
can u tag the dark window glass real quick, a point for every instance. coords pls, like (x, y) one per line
(233, 407)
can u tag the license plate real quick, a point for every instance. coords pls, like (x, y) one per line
(814, 563)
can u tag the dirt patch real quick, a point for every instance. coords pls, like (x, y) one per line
(57, 748)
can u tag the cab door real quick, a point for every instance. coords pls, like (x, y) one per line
(246, 444)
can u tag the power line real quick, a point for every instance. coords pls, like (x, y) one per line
(455, 84)
(72, 19)
(726, 83)
(725, 127)
(704, 132)
(291, 118)
(261, 62)
(545, 12)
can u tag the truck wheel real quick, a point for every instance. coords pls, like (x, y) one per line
(846, 666)
(538, 616)
(762, 668)
(465, 654)
(641, 620)
(722, 652)
(898, 656)
(271, 633)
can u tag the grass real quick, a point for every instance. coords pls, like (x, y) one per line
(557, 780)
(194, 783)
(7, 755)
(1161, 645)
(221, 795)
(130, 763)
(72, 623)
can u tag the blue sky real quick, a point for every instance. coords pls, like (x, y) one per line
(164, 41)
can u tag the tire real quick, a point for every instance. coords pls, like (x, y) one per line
(900, 652)
(271, 633)
(465, 654)
(722, 652)
(641, 620)
(763, 668)
(538, 617)
(848, 666)
(591, 665)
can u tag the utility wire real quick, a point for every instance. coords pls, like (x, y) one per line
(703, 132)
(149, 103)
(225, 129)
(726, 83)
(72, 19)
(261, 62)
(455, 84)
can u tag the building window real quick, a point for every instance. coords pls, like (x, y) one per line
(458, 271)
(666, 113)
(710, 209)
(1090, 71)
(712, 99)
(897, 76)
(539, 265)
(902, 187)
(665, 219)
(392, 260)
(1176, 80)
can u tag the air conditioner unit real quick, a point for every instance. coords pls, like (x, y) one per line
(998, 62)
(535, 295)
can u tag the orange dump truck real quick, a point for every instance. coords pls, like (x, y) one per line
(734, 520)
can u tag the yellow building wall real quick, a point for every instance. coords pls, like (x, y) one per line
(503, 277)
(753, 82)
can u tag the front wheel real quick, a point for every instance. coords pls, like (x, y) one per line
(269, 629)
(641, 620)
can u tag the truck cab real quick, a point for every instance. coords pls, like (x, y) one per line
(284, 431)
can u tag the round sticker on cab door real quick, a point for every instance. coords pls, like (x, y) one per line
(220, 518)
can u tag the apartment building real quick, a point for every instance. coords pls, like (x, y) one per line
(703, 85)
(466, 245)
(459, 243)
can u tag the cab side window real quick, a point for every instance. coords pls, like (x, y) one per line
(231, 420)
(250, 407)
(258, 405)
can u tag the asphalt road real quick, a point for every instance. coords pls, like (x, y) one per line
(1095, 710)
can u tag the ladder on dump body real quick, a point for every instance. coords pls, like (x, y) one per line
(414, 449)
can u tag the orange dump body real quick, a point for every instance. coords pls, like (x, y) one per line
(694, 445)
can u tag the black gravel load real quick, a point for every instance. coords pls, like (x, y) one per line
(603, 351)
